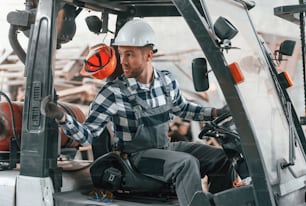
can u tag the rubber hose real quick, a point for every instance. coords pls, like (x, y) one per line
(13, 31)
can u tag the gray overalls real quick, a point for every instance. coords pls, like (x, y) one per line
(153, 155)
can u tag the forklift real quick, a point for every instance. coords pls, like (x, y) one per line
(271, 135)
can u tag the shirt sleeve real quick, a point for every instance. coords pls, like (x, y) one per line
(100, 112)
(185, 109)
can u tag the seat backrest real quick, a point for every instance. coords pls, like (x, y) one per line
(102, 144)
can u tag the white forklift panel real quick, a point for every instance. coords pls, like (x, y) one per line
(41, 187)
(7, 187)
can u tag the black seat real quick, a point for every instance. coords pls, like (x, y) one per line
(111, 172)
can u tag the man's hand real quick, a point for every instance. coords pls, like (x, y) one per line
(50, 109)
(223, 110)
(218, 112)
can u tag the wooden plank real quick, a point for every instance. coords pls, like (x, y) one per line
(90, 89)
(97, 82)
(12, 67)
(6, 54)
(12, 74)
(16, 82)
(73, 67)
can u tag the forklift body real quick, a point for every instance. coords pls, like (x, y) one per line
(271, 135)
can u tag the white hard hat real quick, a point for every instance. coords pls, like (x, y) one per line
(137, 33)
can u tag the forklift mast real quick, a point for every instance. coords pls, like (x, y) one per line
(39, 148)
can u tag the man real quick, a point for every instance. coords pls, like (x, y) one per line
(140, 103)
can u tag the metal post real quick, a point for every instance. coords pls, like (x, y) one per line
(303, 45)
(39, 134)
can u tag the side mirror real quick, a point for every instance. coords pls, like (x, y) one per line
(287, 47)
(94, 24)
(224, 29)
(200, 74)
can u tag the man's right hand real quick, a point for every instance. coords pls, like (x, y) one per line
(223, 110)
(50, 109)
(220, 111)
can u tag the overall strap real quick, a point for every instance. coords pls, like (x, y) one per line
(165, 86)
(135, 100)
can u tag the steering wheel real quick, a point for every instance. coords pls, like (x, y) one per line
(220, 129)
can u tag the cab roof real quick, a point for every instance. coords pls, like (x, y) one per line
(137, 8)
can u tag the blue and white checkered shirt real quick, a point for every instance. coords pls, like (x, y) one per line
(111, 104)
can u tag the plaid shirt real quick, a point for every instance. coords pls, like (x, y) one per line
(111, 104)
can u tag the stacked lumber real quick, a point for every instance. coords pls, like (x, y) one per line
(69, 84)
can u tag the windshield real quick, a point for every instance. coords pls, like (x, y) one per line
(258, 92)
